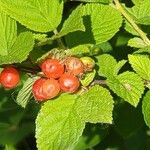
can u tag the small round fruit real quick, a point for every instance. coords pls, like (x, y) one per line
(74, 65)
(88, 62)
(51, 88)
(52, 68)
(9, 77)
(69, 83)
(37, 90)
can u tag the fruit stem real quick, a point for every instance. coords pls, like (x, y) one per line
(122, 10)
(59, 41)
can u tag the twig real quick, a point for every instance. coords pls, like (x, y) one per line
(60, 43)
(131, 21)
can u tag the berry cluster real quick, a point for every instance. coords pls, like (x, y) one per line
(60, 76)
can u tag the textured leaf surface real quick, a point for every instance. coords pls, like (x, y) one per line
(139, 1)
(38, 15)
(103, 26)
(25, 93)
(99, 27)
(136, 42)
(58, 125)
(8, 33)
(79, 50)
(145, 49)
(20, 49)
(96, 105)
(73, 23)
(146, 108)
(141, 64)
(93, 1)
(130, 29)
(141, 12)
(119, 65)
(128, 86)
(88, 78)
(106, 65)
(63, 119)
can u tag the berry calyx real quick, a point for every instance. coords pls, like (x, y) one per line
(88, 62)
(74, 66)
(69, 83)
(37, 90)
(9, 77)
(52, 68)
(51, 88)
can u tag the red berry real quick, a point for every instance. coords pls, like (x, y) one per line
(51, 88)
(69, 83)
(74, 65)
(9, 77)
(37, 90)
(52, 68)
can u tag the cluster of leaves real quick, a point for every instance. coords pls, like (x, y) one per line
(33, 29)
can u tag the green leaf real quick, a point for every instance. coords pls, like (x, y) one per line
(25, 93)
(63, 119)
(105, 47)
(106, 65)
(141, 12)
(141, 64)
(119, 65)
(20, 49)
(58, 126)
(145, 49)
(38, 15)
(137, 2)
(103, 26)
(128, 86)
(130, 29)
(73, 23)
(8, 33)
(96, 105)
(39, 37)
(136, 42)
(106, 60)
(88, 78)
(95, 1)
(79, 50)
(146, 108)
(99, 27)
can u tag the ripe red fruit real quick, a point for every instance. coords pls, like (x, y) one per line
(37, 90)
(74, 65)
(9, 77)
(51, 88)
(69, 83)
(52, 68)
